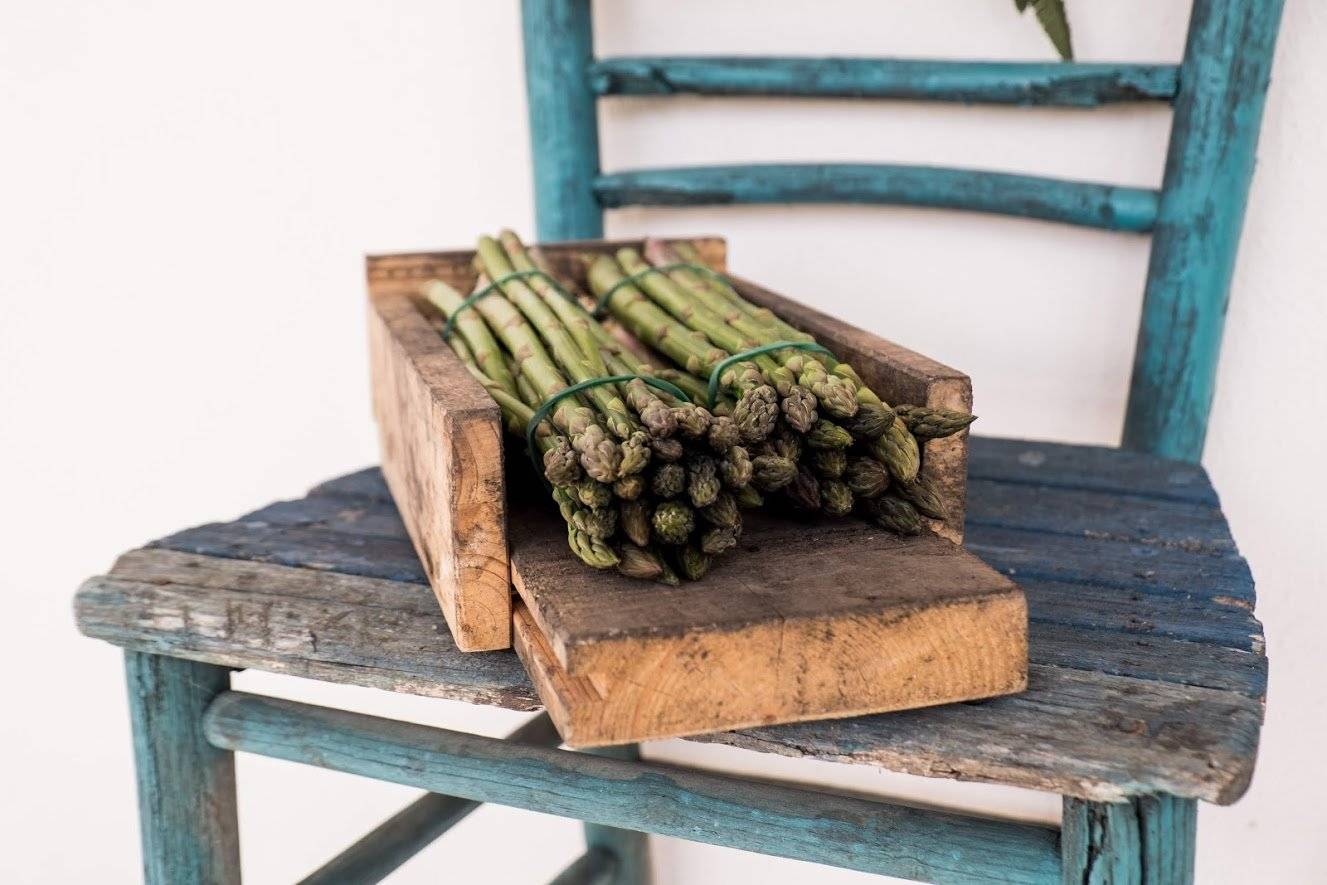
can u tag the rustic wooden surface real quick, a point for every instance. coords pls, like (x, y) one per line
(441, 443)
(788, 631)
(1147, 669)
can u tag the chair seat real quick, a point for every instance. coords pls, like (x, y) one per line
(1147, 672)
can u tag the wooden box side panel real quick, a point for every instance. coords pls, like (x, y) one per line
(441, 441)
(898, 375)
(786, 670)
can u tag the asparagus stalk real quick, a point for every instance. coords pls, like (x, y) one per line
(600, 457)
(561, 465)
(927, 423)
(757, 406)
(562, 345)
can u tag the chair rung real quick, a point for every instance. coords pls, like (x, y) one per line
(1071, 202)
(970, 82)
(597, 866)
(412, 829)
(843, 831)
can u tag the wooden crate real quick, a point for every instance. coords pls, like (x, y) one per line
(805, 620)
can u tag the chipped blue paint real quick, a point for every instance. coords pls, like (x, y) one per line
(842, 831)
(1218, 112)
(564, 134)
(186, 786)
(972, 82)
(1149, 841)
(1027, 196)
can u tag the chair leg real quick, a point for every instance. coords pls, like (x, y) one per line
(629, 847)
(1146, 841)
(186, 787)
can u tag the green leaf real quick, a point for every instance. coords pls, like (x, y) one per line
(1054, 21)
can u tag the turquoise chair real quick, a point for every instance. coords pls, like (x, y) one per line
(1147, 674)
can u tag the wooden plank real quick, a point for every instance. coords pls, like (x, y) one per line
(788, 632)
(804, 824)
(341, 628)
(1100, 515)
(392, 559)
(1209, 167)
(433, 418)
(186, 786)
(970, 82)
(1192, 620)
(382, 850)
(1093, 468)
(1104, 562)
(365, 483)
(1111, 207)
(1149, 658)
(1090, 735)
(564, 133)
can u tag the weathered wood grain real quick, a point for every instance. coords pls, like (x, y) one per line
(1117, 705)
(441, 441)
(1090, 735)
(186, 786)
(340, 628)
(1147, 841)
(1091, 468)
(842, 831)
(970, 82)
(1112, 207)
(790, 631)
(1099, 515)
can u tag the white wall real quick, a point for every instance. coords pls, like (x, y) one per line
(186, 191)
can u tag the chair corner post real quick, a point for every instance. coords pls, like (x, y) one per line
(1149, 840)
(564, 130)
(186, 786)
(1209, 168)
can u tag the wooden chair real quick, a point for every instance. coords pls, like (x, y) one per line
(1147, 667)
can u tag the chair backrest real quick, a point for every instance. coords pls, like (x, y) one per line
(1195, 218)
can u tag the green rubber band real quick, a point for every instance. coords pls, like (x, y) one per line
(713, 393)
(450, 325)
(602, 303)
(541, 413)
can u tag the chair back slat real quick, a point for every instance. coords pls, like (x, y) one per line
(1027, 196)
(1209, 166)
(968, 82)
(1218, 92)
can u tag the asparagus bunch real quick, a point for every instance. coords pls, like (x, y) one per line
(833, 446)
(654, 484)
(647, 482)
